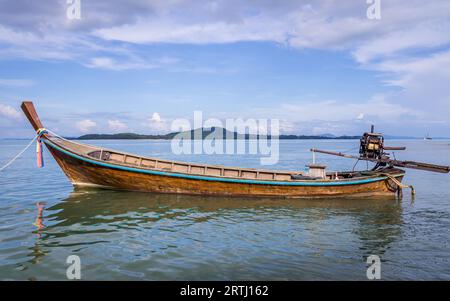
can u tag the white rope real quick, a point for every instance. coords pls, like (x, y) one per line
(31, 142)
(18, 155)
(70, 141)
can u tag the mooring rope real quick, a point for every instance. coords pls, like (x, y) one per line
(39, 133)
(68, 140)
(19, 154)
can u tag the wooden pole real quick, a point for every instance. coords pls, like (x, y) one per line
(405, 164)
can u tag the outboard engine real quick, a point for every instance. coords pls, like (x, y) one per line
(372, 145)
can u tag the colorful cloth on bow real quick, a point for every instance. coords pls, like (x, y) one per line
(39, 155)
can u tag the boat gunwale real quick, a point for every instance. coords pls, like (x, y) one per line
(98, 148)
(140, 169)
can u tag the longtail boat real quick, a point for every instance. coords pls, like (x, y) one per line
(92, 166)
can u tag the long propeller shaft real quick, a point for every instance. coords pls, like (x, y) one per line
(398, 163)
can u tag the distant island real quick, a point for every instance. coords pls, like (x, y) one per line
(205, 133)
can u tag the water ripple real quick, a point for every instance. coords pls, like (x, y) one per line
(135, 236)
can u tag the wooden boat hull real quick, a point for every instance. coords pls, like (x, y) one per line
(87, 165)
(84, 172)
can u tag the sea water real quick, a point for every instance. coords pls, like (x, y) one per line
(145, 236)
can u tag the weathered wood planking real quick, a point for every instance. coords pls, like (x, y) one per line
(83, 173)
(87, 165)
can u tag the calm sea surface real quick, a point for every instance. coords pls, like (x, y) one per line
(142, 236)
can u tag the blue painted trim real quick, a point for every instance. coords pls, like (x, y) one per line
(205, 178)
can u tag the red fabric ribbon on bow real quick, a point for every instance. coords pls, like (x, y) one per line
(40, 158)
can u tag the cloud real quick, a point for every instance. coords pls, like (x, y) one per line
(112, 64)
(427, 35)
(310, 116)
(377, 108)
(9, 112)
(85, 125)
(166, 31)
(156, 118)
(116, 125)
(423, 82)
(156, 123)
(16, 82)
(113, 28)
(408, 47)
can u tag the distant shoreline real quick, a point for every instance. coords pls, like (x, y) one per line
(282, 137)
(221, 133)
(206, 134)
(212, 133)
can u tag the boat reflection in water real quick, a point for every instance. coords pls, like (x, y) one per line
(37, 252)
(126, 235)
(39, 218)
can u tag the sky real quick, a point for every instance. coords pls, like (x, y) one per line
(317, 66)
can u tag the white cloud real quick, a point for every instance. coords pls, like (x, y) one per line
(157, 124)
(331, 110)
(8, 82)
(24, 43)
(427, 35)
(116, 125)
(424, 83)
(404, 46)
(156, 117)
(408, 46)
(113, 64)
(9, 112)
(321, 24)
(167, 31)
(302, 24)
(85, 125)
(336, 117)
